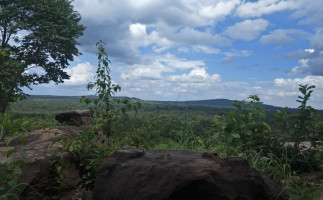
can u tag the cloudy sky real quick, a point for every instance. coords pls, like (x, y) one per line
(193, 49)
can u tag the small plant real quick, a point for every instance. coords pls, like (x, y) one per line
(105, 108)
(306, 120)
(245, 126)
(88, 151)
(60, 171)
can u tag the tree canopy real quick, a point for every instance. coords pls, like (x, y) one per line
(35, 34)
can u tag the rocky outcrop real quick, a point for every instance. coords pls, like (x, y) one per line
(75, 118)
(176, 175)
(39, 174)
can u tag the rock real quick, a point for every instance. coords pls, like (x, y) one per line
(176, 175)
(75, 118)
(39, 173)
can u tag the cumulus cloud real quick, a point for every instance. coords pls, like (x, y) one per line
(309, 12)
(310, 59)
(221, 9)
(155, 69)
(197, 75)
(265, 7)
(206, 49)
(192, 36)
(140, 38)
(161, 25)
(80, 74)
(288, 89)
(143, 38)
(248, 29)
(237, 53)
(281, 36)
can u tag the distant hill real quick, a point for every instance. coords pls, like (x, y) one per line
(223, 103)
(229, 103)
(210, 102)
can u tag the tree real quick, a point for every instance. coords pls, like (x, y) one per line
(35, 34)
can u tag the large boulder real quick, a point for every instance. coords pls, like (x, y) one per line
(41, 180)
(75, 118)
(176, 175)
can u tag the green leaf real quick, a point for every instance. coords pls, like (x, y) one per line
(70, 148)
(12, 183)
(17, 171)
(10, 139)
(10, 152)
(235, 135)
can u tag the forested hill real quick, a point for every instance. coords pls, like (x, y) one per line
(229, 103)
(223, 103)
(210, 102)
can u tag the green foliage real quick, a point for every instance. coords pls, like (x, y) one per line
(245, 126)
(88, 150)
(60, 172)
(11, 130)
(246, 131)
(35, 34)
(11, 127)
(105, 108)
(306, 124)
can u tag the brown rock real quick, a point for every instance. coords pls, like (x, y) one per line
(75, 118)
(38, 173)
(130, 174)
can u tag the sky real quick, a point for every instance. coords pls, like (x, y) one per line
(195, 50)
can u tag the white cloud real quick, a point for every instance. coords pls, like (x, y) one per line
(80, 74)
(179, 63)
(309, 12)
(221, 9)
(248, 29)
(265, 7)
(313, 80)
(281, 36)
(288, 89)
(140, 38)
(302, 69)
(193, 37)
(197, 75)
(237, 53)
(159, 25)
(155, 69)
(206, 49)
(310, 59)
(183, 49)
(310, 50)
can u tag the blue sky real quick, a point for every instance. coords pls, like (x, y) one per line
(192, 49)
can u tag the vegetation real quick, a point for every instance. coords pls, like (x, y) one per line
(105, 109)
(242, 130)
(35, 34)
(12, 129)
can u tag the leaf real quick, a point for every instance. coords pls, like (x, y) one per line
(23, 153)
(235, 135)
(10, 139)
(17, 171)
(12, 183)
(10, 152)
(23, 140)
(70, 148)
